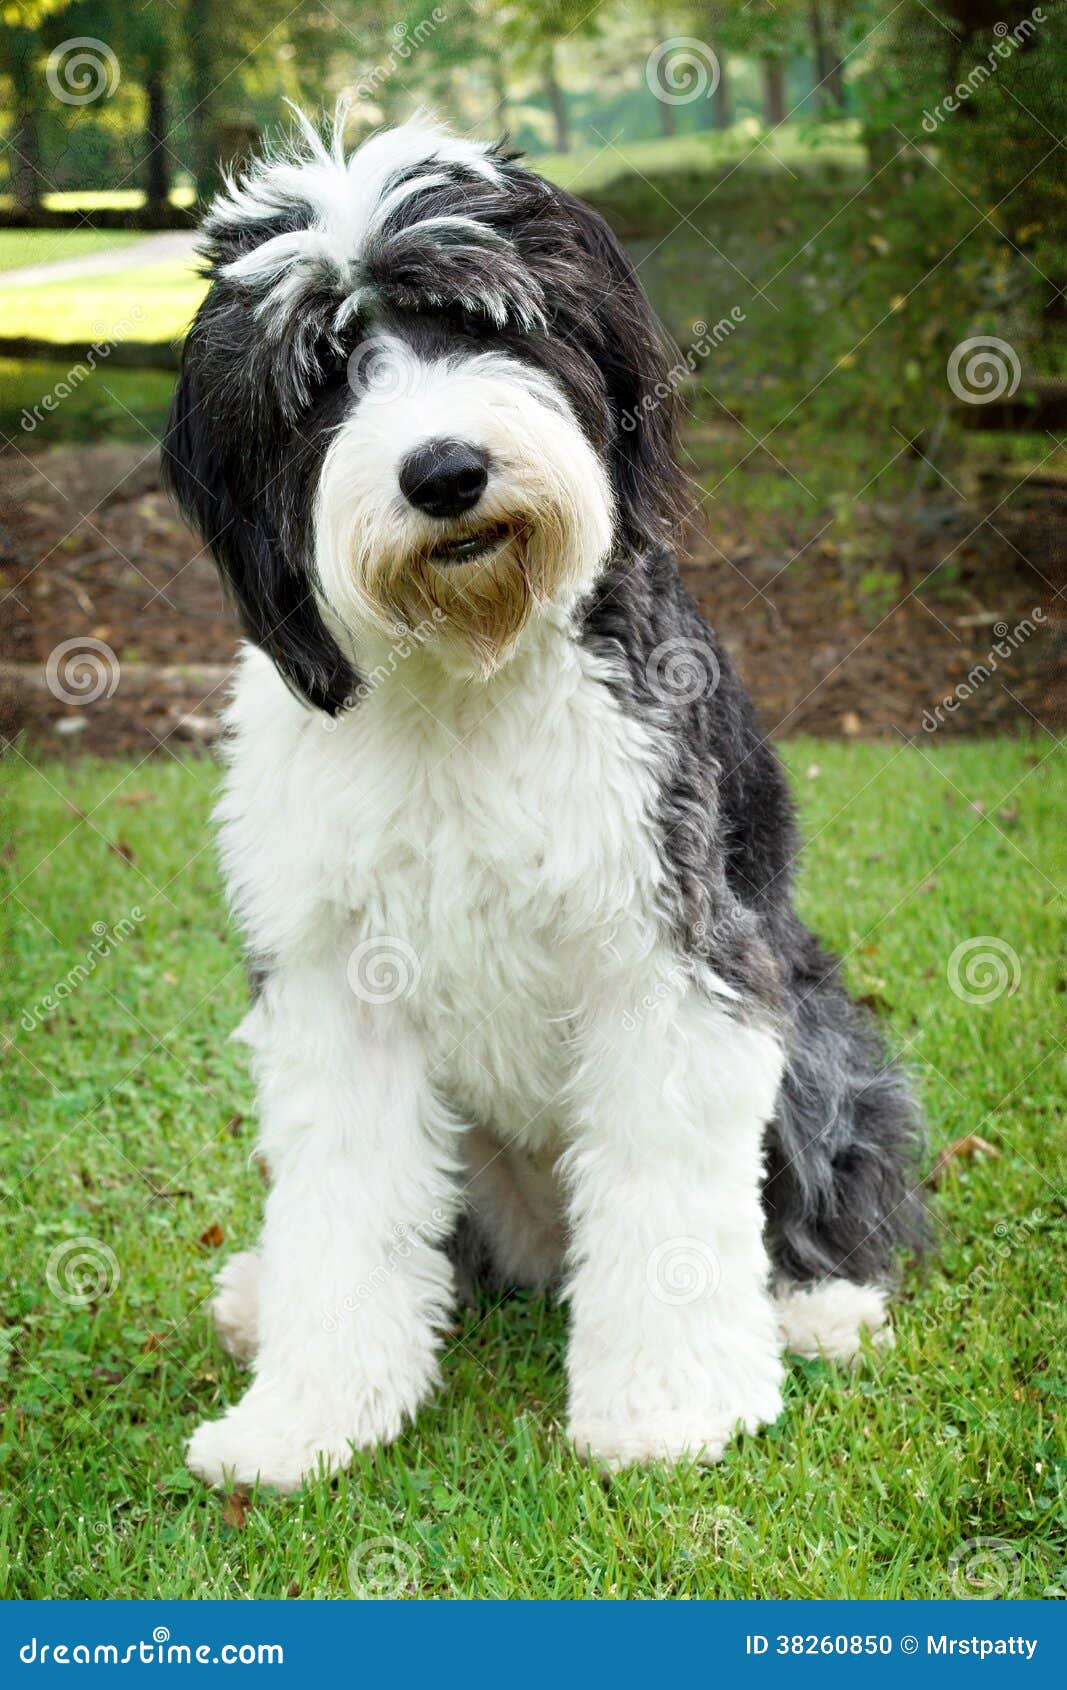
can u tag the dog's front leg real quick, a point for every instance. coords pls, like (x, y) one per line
(673, 1343)
(353, 1287)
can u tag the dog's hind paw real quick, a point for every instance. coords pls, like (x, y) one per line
(829, 1318)
(235, 1305)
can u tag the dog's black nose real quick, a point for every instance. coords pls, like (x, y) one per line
(444, 477)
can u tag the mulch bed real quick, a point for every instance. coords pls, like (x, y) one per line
(90, 548)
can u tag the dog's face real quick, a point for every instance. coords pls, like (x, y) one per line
(424, 395)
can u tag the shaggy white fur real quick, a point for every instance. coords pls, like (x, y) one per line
(460, 894)
(829, 1319)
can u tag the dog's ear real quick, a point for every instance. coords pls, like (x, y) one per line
(639, 366)
(230, 472)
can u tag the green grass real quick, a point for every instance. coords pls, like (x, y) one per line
(155, 302)
(130, 1123)
(20, 247)
(586, 169)
(108, 404)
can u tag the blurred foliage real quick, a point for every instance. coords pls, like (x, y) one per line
(914, 197)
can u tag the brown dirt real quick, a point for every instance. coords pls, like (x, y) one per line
(91, 548)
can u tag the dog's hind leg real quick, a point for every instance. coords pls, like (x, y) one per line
(842, 1192)
(511, 1233)
(235, 1305)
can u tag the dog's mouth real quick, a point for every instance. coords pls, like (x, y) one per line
(466, 548)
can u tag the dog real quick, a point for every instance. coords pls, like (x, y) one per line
(511, 859)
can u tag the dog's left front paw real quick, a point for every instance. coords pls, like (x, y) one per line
(244, 1446)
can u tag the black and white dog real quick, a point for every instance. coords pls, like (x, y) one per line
(511, 858)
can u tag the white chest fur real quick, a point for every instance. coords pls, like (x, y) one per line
(481, 851)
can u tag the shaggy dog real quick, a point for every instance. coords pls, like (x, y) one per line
(511, 858)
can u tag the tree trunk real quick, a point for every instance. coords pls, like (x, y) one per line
(25, 166)
(157, 159)
(666, 118)
(202, 80)
(774, 111)
(557, 101)
(721, 112)
(826, 52)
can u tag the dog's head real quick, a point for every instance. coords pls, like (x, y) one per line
(424, 395)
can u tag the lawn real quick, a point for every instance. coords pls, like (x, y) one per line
(133, 1125)
(19, 247)
(153, 302)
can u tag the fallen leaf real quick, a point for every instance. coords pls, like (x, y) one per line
(1009, 815)
(109, 1375)
(978, 806)
(876, 1003)
(213, 1237)
(294, 1590)
(961, 1150)
(121, 849)
(140, 796)
(233, 1125)
(851, 724)
(929, 884)
(235, 1510)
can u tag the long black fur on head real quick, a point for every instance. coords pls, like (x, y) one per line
(510, 263)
